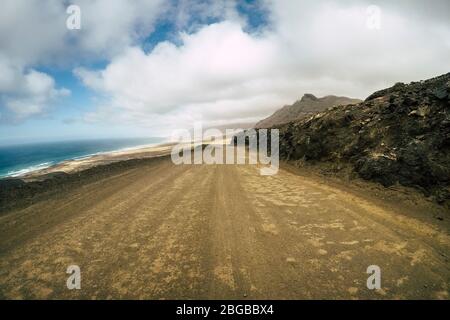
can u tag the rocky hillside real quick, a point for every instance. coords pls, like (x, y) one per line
(397, 135)
(307, 106)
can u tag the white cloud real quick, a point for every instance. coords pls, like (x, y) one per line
(223, 74)
(218, 73)
(109, 26)
(213, 71)
(33, 33)
(28, 93)
(211, 64)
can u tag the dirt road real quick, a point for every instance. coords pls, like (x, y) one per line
(162, 231)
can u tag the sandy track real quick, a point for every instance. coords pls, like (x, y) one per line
(203, 231)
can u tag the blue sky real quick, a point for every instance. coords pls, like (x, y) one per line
(148, 67)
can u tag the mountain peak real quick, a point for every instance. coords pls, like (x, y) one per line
(308, 96)
(307, 106)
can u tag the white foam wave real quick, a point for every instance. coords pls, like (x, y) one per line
(18, 173)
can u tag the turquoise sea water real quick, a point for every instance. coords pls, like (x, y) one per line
(19, 159)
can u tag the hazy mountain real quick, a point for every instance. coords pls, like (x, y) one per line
(308, 105)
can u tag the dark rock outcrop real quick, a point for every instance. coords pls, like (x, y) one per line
(397, 135)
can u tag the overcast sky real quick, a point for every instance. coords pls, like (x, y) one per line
(147, 67)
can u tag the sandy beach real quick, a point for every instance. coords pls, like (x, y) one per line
(83, 163)
(140, 227)
(104, 158)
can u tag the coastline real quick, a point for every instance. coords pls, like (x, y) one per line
(22, 191)
(92, 160)
(81, 163)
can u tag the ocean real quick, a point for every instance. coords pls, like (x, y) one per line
(16, 160)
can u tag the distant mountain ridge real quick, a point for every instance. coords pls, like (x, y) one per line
(307, 106)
